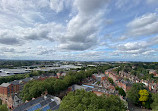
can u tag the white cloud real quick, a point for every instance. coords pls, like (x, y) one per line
(137, 48)
(144, 25)
(82, 29)
(122, 4)
(57, 5)
(143, 20)
(73, 28)
(60, 5)
(152, 1)
(4, 49)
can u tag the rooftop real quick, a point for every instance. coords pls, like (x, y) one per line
(44, 103)
(5, 84)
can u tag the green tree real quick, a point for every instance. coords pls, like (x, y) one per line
(154, 105)
(81, 100)
(133, 93)
(0, 102)
(3, 107)
(121, 91)
(110, 80)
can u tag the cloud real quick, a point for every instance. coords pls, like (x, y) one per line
(76, 29)
(50, 31)
(9, 41)
(89, 6)
(121, 3)
(42, 50)
(82, 29)
(80, 33)
(4, 49)
(152, 1)
(144, 25)
(59, 5)
(46, 51)
(137, 48)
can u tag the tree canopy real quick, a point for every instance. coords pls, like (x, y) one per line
(143, 95)
(53, 86)
(139, 96)
(3, 107)
(121, 91)
(81, 100)
(154, 105)
(133, 93)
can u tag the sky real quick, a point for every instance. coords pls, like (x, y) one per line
(80, 30)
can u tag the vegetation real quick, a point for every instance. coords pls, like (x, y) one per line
(144, 96)
(133, 93)
(3, 107)
(19, 76)
(121, 91)
(110, 80)
(141, 70)
(17, 63)
(0, 102)
(53, 86)
(81, 100)
(154, 105)
(139, 96)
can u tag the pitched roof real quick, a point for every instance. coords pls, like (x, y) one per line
(43, 102)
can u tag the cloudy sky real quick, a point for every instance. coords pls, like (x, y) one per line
(110, 30)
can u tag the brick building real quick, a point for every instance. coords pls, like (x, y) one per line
(124, 85)
(9, 88)
(9, 91)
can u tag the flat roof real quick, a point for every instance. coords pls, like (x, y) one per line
(5, 84)
(14, 70)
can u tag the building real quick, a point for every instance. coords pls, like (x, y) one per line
(79, 87)
(8, 94)
(114, 76)
(43, 103)
(151, 71)
(14, 71)
(8, 88)
(124, 85)
(99, 77)
(9, 91)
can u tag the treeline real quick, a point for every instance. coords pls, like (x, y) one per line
(54, 86)
(17, 63)
(19, 76)
(81, 100)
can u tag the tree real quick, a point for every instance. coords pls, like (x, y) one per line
(110, 80)
(154, 105)
(81, 100)
(133, 93)
(0, 102)
(3, 107)
(121, 91)
(143, 96)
